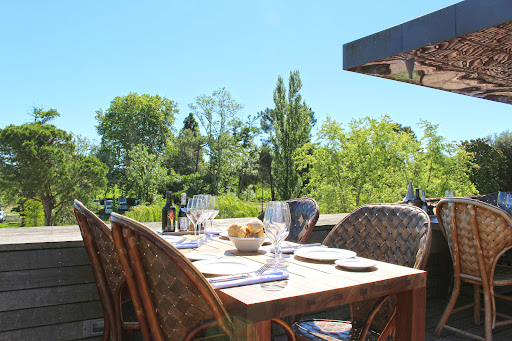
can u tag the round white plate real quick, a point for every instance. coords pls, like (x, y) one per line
(171, 239)
(224, 234)
(356, 263)
(224, 266)
(323, 253)
(203, 255)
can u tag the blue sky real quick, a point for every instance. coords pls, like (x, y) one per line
(76, 56)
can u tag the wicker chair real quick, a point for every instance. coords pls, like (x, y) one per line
(398, 234)
(304, 213)
(178, 301)
(108, 273)
(477, 234)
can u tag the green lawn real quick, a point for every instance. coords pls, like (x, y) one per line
(11, 224)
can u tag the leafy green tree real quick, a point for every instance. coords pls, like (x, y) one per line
(129, 121)
(247, 156)
(265, 167)
(370, 161)
(490, 172)
(503, 142)
(145, 175)
(42, 116)
(289, 126)
(39, 162)
(186, 156)
(217, 114)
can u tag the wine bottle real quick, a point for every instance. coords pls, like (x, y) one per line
(168, 214)
(182, 214)
(424, 204)
(417, 200)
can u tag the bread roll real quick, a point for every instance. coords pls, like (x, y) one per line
(255, 226)
(236, 230)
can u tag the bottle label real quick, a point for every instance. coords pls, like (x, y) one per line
(183, 223)
(169, 222)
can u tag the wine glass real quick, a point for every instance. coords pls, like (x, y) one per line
(192, 213)
(449, 194)
(214, 210)
(277, 226)
(202, 213)
(505, 201)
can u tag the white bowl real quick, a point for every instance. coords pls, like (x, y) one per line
(247, 244)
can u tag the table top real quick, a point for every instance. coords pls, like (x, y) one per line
(312, 285)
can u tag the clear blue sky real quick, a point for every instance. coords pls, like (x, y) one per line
(76, 56)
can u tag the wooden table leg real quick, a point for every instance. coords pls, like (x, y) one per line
(260, 331)
(411, 315)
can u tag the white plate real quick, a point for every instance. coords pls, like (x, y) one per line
(356, 263)
(224, 234)
(224, 266)
(203, 255)
(323, 253)
(172, 239)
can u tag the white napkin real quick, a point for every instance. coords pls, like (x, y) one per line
(293, 248)
(186, 245)
(274, 276)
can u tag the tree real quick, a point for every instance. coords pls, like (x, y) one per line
(145, 175)
(247, 156)
(39, 162)
(369, 161)
(186, 156)
(503, 142)
(217, 114)
(289, 126)
(129, 121)
(490, 172)
(42, 116)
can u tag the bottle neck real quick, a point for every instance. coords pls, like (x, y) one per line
(169, 198)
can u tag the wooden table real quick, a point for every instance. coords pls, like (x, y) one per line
(314, 285)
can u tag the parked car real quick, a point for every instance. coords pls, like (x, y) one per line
(123, 203)
(108, 206)
(3, 217)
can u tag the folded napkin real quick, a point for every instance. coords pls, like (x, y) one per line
(186, 245)
(293, 248)
(274, 276)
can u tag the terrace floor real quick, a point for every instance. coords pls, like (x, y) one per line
(435, 308)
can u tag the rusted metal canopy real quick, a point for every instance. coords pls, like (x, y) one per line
(465, 48)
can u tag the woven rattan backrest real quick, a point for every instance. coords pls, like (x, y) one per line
(480, 229)
(100, 248)
(304, 213)
(397, 234)
(173, 292)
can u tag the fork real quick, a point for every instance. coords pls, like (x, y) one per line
(257, 272)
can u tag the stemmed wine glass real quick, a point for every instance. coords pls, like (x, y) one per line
(204, 213)
(214, 210)
(277, 226)
(192, 213)
(505, 201)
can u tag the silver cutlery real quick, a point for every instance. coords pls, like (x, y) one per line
(254, 273)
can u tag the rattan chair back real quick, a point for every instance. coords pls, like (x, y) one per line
(106, 267)
(473, 228)
(478, 234)
(304, 213)
(397, 234)
(176, 297)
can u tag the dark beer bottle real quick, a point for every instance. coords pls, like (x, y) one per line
(168, 215)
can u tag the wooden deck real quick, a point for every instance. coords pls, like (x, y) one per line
(464, 319)
(47, 286)
(435, 308)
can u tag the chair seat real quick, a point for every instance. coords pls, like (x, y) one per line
(330, 330)
(502, 275)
